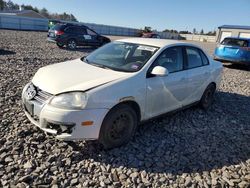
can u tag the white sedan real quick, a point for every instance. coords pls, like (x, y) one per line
(107, 94)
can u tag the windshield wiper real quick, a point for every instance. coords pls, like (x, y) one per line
(101, 66)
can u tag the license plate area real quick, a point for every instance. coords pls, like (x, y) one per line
(51, 34)
(231, 50)
(29, 107)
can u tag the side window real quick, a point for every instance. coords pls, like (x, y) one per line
(171, 58)
(193, 57)
(89, 32)
(70, 29)
(81, 30)
(76, 30)
(204, 58)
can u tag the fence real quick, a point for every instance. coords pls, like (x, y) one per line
(23, 23)
(37, 24)
(112, 30)
(202, 38)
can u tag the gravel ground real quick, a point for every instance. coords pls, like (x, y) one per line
(192, 148)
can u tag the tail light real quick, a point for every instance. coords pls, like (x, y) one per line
(246, 48)
(59, 32)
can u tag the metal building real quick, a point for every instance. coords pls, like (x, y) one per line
(232, 31)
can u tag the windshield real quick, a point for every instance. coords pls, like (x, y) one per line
(235, 42)
(119, 56)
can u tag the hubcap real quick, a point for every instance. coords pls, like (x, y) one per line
(119, 127)
(72, 44)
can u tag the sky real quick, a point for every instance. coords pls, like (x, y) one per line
(158, 14)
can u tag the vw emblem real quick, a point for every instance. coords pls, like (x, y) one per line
(30, 92)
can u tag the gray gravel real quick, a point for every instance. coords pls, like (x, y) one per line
(192, 148)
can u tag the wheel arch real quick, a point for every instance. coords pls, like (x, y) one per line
(210, 83)
(72, 38)
(214, 84)
(133, 104)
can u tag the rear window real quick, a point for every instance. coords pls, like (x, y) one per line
(76, 30)
(194, 58)
(58, 27)
(235, 42)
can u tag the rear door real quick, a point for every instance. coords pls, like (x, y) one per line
(198, 72)
(73, 32)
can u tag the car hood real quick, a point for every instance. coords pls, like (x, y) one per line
(74, 75)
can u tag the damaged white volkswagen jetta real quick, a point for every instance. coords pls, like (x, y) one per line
(107, 94)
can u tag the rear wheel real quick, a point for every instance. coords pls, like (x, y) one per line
(118, 126)
(60, 45)
(208, 96)
(71, 44)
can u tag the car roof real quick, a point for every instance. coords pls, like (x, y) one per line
(154, 42)
(235, 27)
(149, 33)
(241, 38)
(70, 24)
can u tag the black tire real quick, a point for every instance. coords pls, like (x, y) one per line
(118, 127)
(60, 45)
(208, 96)
(71, 44)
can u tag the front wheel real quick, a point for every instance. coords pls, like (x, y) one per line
(118, 126)
(208, 96)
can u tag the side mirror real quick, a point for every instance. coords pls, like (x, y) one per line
(159, 71)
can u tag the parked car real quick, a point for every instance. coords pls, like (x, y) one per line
(107, 94)
(73, 35)
(234, 50)
(150, 35)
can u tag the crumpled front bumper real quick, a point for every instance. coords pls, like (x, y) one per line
(63, 123)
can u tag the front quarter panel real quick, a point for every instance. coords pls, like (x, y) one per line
(132, 88)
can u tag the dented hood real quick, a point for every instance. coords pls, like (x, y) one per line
(74, 75)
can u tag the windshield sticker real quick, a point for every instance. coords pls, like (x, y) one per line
(134, 66)
(147, 48)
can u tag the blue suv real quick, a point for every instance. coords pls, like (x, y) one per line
(234, 50)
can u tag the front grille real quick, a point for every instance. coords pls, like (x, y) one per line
(42, 96)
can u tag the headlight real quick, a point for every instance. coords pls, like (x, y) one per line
(73, 100)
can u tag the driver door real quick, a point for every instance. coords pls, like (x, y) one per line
(167, 93)
(92, 37)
